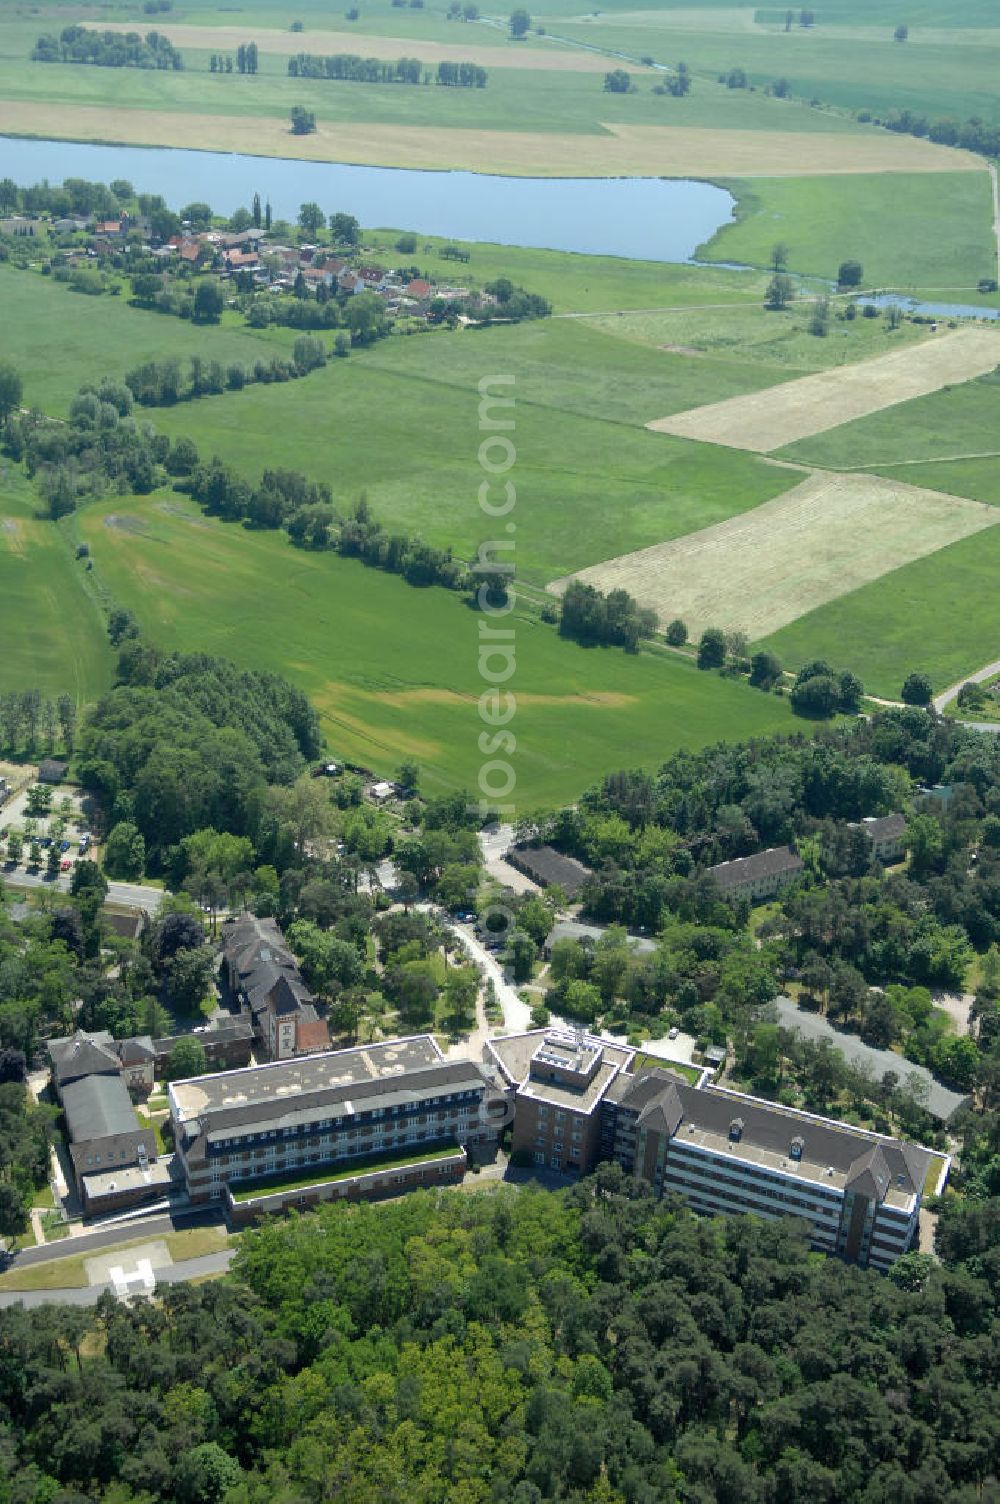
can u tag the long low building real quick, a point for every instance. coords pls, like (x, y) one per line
(578, 1102)
(339, 1123)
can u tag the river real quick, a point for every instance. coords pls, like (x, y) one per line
(649, 219)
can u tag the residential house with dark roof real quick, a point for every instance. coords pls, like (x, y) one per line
(760, 876)
(51, 770)
(545, 866)
(887, 834)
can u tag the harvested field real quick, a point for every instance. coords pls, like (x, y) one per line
(499, 54)
(767, 567)
(780, 415)
(644, 151)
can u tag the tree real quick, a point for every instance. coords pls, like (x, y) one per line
(712, 648)
(311, 219)
(901, 33)
(10, 390)
(819, 317)
(344, 229)
(676, 634)
(303, 121)
(780, 292)
(255, 210)
(917, 689)
(779, 257)
(208, 302)
(187, 1058)
(519, 955)
(520, 24)
(408, 778)
(188, 976)
(618, 81)
(849, 274)
(125, 852)
(765, 670)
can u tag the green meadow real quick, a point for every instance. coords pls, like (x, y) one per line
(940, 614)
(907, 229)
(401, 423)
(52, 633)
(394, 671)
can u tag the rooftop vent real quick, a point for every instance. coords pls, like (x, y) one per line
(796, 1147)
(736, 1130)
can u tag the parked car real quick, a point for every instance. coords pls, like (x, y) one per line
(65, 864)
(673, 1032)
(63, 845)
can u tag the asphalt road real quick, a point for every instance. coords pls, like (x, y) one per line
(121, 1232)
(129, 895)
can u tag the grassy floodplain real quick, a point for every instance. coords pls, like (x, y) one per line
(883, 222)
(394, 671)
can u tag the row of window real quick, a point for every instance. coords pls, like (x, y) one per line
(352, 1123)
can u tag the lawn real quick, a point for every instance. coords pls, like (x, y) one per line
(885, 223)
(393, 671)
(956, 421)
(691, 1073)
(53, 634)
(366, 1165)
(940, 614)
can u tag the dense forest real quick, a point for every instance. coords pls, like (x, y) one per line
(591, 1346)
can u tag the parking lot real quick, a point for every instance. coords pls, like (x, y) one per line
(65, 824)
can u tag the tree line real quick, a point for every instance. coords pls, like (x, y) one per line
(108, 49)
(351, 67)
(161, 383)
(286, 498)
(590, 617)
(29, 719)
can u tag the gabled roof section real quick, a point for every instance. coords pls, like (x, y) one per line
(664, 1113)
(869, 1175)
(83, 1055)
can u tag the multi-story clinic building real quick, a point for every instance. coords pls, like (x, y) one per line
(379, 1117)
(578, 1102)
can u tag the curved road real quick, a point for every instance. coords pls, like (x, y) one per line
(947, 695)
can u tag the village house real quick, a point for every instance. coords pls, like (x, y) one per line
(887, 834)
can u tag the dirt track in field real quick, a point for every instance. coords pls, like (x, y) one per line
(767, 567)
(641, 151)
(287, 43)
(780, 415)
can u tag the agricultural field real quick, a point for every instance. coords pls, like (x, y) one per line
(766, 568)
(940, 614)
(946, 425)
(393, 671)
(52, 632)
(776, 417)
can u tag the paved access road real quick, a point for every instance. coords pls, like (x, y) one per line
(129, 895)
(169, 1274)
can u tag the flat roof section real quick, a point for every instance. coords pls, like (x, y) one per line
(306, 1074)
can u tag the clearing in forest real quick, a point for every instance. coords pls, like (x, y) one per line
(779, 415)
(767, 567)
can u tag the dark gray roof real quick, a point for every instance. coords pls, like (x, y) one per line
(664, 1113)
(98, 1107)
(572, 929)
(51, 770)
(869, 1175)
(776, 861)
(333, 1102)
(546, 865)
(83, 1055)
(885, 827)
(136, 1051)
(850, 1151)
